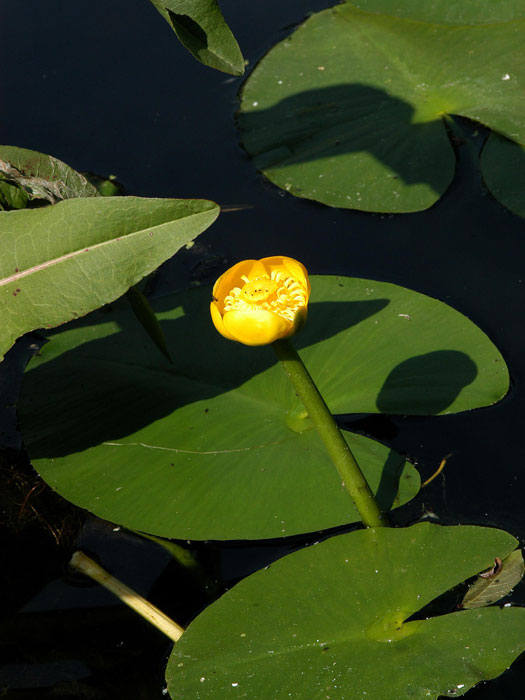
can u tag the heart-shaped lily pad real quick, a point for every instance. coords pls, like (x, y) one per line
(216, 444)
(349, 110)
(330, 621)
(446, 12)
(503, 165)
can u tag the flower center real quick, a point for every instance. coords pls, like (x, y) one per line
(258, 290)
(278, 292)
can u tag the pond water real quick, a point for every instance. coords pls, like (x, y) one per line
(107, 88)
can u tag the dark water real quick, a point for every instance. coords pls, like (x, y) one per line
(106, 87)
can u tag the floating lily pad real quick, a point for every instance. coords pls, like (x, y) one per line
(446, 12)
(349, 110)
(503, 167)
(216, 445)
(331, 621)
(60, 262)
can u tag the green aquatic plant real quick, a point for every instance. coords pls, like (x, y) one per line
(354, 109)
(205, 440)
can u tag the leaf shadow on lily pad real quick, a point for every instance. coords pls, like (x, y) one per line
(387, 494)
(331, 122)
(113, 386)
(404, 384)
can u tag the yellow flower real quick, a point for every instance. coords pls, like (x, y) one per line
(258, 301)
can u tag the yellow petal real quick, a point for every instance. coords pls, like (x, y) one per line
(256, 327)
(257, 269)
(230, 279)
(298, 271)
(216, 317)
(298, 322)
(291, 267)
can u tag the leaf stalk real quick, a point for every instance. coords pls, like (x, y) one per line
(351, 475)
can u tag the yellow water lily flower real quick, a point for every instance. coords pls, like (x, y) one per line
(258, 301)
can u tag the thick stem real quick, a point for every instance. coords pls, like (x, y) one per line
(336, 446)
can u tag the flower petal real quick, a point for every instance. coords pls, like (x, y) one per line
(258, 269)
(291, 267)
(256, 327)
(230, 279)
(216, 317)
(298, 322)
(298, 271)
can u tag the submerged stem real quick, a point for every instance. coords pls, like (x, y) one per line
(336, 446)
(81, 562)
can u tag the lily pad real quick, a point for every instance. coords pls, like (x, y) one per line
(216, 444)
(503, 167)
(60, 262)
(201, 28)
(446, 12)
(349, 110)
(332, 620)
(27, 175)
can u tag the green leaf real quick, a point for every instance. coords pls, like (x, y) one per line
(62, 261)
(216, 445)
(200, 27)
(488, 589)
(106, 186)
(349, 110)
(446, 12)
(331, 621)
(503, 168)
(12, 196)
(148, 320)
(27, 175)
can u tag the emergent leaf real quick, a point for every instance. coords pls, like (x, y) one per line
(201, 28)
(26, 175)
(496, 583)
(62, 261)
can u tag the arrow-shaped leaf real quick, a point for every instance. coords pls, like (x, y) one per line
(62, 261)
(27, 175)
(200, 27)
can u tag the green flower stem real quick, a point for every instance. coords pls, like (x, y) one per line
(341, 455)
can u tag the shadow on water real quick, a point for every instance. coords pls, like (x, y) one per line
(111, 387)
(340, 119)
